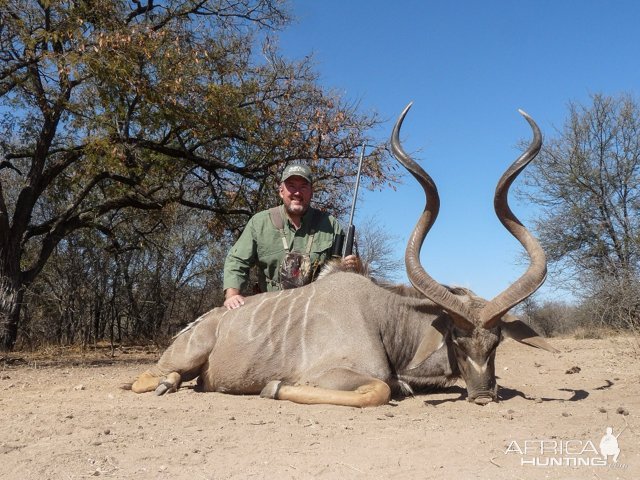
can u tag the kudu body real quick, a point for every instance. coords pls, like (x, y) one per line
(346, 340)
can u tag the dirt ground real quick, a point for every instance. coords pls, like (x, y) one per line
(68, 419)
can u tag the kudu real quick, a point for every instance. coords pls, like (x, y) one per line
(345, 340)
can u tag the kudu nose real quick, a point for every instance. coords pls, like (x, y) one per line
(483, 400)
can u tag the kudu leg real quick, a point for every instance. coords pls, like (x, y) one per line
(336, 387)
(148, 382)
(181, 362)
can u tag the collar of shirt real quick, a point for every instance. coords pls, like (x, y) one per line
(304, 222)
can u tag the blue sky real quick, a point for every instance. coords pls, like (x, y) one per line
(467, 66)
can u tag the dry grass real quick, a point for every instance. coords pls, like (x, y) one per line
(101, 354)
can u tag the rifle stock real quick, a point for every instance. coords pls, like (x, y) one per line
(337, 246)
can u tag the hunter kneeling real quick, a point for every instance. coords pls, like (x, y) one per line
(288, 244)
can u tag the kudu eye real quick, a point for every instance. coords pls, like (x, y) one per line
(456, 339)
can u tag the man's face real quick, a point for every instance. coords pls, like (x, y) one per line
(296, 193)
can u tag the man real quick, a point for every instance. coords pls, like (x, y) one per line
(288, 243)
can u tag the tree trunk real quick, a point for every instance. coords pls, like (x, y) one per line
(11, 296)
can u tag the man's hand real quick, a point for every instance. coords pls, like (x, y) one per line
(352, 262)
(233, 299)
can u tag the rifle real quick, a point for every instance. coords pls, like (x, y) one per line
(351, 230)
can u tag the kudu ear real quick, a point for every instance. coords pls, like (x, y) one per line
(432, 340)
(523, 333)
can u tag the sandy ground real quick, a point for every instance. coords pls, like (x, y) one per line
(68, 420)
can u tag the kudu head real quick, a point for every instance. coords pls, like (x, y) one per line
(475, 326)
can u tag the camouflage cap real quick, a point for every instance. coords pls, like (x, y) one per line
(297, 169)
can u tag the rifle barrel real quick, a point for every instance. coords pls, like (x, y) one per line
(355, 191)
(348, 246)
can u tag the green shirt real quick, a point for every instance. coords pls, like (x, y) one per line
(260, 244)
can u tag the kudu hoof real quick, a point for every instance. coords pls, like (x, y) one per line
(271, 389)
(165, 387)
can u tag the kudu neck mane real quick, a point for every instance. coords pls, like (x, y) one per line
(335, 266)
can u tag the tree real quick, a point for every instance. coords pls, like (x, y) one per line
(110, 106)
(587, 179)
(376, 250)
(549, 318)
(92, 290)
